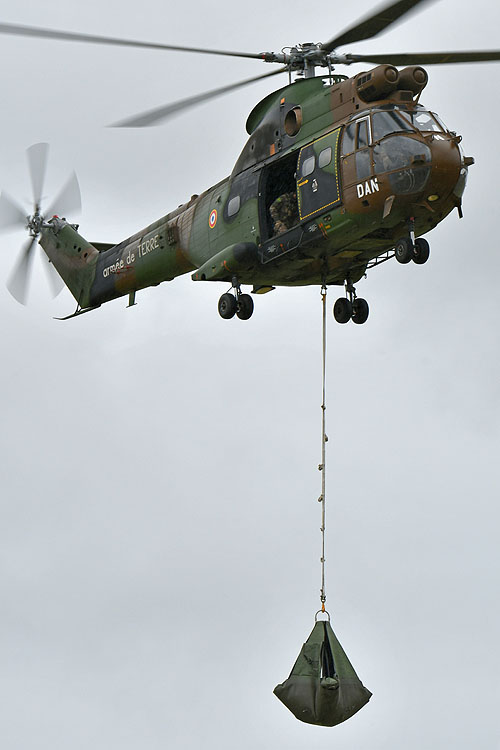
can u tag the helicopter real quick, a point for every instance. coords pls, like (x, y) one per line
(339, 175)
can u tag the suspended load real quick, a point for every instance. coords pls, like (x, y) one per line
(323, 687)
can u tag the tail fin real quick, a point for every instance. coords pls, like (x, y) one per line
(73, 257)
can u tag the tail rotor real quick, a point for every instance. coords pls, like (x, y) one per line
(12, 216)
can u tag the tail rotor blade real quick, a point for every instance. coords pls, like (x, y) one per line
(12, 215)
(19, 278)
(69, 200)
(37, 162)
(55, 281)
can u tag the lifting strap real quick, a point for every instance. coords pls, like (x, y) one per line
(322, 466)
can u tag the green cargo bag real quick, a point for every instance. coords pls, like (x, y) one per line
(323, 687)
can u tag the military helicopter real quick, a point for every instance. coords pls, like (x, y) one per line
(338, 176)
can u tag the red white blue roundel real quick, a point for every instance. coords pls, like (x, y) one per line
(212, 219)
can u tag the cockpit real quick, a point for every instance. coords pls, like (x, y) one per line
(389, 141)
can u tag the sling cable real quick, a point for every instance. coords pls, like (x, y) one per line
(323, 687)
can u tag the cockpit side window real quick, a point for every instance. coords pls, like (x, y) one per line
(348, 139)
(362, 139)
(385, 123)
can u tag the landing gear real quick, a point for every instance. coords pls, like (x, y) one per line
(422, 251)
(236, 303)
(244, 307)
(342, 310)
(360, 311)
(403, 250)
(227, 306)
(408, 248)
(351, 307)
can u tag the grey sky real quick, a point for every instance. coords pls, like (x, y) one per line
(159, 527)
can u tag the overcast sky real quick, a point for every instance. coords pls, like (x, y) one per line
(159, 520)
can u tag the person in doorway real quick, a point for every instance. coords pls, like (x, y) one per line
(283, 212)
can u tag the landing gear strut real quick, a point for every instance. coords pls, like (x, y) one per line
(351, 307)
(236, 303)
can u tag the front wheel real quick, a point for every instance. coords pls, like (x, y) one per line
(403, 250)
(227, 306)
(422, 251)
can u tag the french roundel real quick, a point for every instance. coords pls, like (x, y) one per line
(212, 219)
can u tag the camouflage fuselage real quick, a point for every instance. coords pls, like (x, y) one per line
(356, 188)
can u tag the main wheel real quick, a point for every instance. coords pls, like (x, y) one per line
(342, 310)
(360, 310)
(403, 250)
(244, 307)
(227, 306)
(422, 251)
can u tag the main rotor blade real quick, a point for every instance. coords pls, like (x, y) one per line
(374, 24)
(69, 200)
(37, 162)
(11, 214)
(428, 58)
(155, 116)
(18, 281)
(70, 36)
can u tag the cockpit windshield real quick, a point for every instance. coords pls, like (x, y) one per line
(424, 121)
(387, 122)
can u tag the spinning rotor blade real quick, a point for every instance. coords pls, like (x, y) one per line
(69, 200)
(374, 24)
(429, 58)
(18, 281)
(37, 162)
(55, 281)
(155, 116)
(69, 36)
(11, 214)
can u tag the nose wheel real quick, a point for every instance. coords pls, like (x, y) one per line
(351, 307)
(408, 248)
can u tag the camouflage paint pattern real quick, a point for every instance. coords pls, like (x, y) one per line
(352, 209)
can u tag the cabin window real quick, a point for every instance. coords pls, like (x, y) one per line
(308, 166)
(385, 123)
(233, 206)
(325, 157)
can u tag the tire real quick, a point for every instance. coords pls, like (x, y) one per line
(422, 251)
(360, 311)
(403, 250)
(244, 307)
(342, 310)
(227, 306)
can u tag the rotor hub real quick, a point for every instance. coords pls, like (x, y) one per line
(35, 223)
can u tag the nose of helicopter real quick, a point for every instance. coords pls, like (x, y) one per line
(446, 167)
(429, 165)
